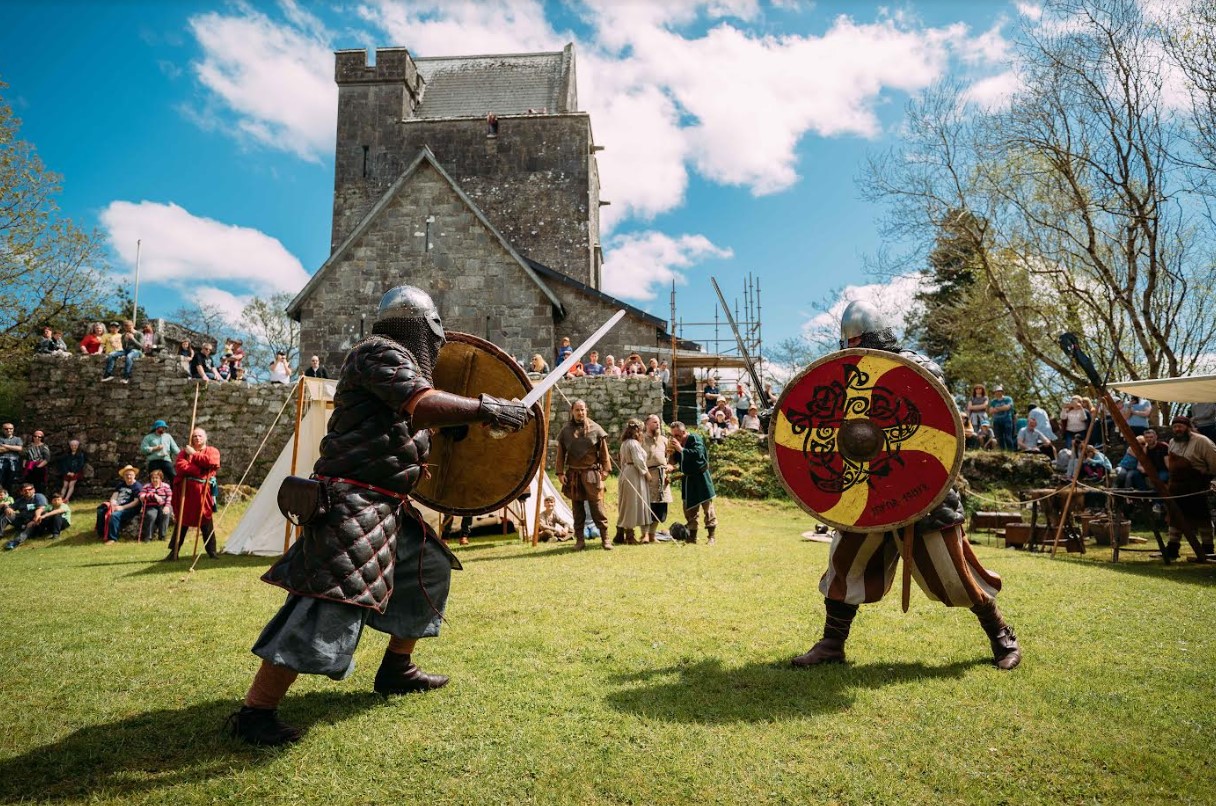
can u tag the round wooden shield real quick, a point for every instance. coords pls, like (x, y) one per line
(866, 440)
(472, 473)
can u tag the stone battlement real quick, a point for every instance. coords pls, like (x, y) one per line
(393, 65)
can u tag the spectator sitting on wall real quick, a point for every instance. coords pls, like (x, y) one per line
(201, 368)
(663, 373)
(111, 341)
(71, 468)
(36, 461)
(576, 371)
(91, 343)
(124, 504)
(635, 366)
(611, 370)
(26, 506)
(563, 352)
(238, 360)
(538, 366)
(130, 350)
(593, 367)
(51, 343)
(149, 341)
(315, 370)
(185, 354)
(225, 368)
(652, 369)
(280, 370)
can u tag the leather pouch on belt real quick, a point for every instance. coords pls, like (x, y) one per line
(302, 500)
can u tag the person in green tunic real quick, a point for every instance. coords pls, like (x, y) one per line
(689, 454)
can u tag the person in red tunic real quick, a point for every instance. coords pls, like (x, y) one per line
(195, 466)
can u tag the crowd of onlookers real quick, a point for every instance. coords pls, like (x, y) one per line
(37, 486)
(122, 346)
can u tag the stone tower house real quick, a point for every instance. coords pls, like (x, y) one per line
(497, 217)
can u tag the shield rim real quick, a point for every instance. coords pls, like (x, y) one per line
(541, 432)
(936, 384)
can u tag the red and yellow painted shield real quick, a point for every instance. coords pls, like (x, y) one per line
(866, 440)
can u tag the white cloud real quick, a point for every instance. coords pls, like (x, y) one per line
(275, 80)
(228, 304)
(993, 92)
(464, 28)
(640, 263)
(1031, 11)
(894, 298)
(181, 250)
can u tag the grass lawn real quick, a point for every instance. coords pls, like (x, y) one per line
(651, 674)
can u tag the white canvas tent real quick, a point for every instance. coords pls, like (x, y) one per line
(262, 529)
(1193, 389)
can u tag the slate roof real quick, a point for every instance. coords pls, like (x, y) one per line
(472, 86)
(428, 157)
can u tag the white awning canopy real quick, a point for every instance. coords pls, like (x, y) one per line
(1193, 389)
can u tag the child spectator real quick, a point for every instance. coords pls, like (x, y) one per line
(46, 345)
(238, 360)
(91, 343)
(156, 498)
(185, 354)
(576, 371)
(71, 468)
(131, 344)
(149, 343)
(225, 368)
(123, 505)
(111, 341)
(53, 520)
(593, 367)
(563, 352)
(551, 525)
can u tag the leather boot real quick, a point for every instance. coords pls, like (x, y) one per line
(606, 543)
(630, 538)
(1171, 551)
(692, 536)
(837, 622)
(261, 726)
(399, 675)
(710, 534)
(619, 538)
(580, 542)
(1006, 654)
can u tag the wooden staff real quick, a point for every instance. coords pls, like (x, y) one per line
(177, 524)
(295, 453)
(544, 458)
(1078, 457)
(906, 545)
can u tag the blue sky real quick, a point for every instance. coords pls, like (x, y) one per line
(735, 130)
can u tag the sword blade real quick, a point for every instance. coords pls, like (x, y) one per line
(556, 375)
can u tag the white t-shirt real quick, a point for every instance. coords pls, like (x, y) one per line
(280, 372)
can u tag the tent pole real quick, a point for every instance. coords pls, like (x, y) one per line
(544, 459)
(295, 452)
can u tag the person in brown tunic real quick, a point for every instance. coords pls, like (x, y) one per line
(582, 465)
(1192, 465)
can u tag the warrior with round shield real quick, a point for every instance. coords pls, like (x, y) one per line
(366, 558)
(864, 438)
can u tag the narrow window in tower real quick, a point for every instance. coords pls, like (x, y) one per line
(365, 150)
(491, 125)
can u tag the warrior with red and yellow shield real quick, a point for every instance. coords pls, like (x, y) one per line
(870, 442)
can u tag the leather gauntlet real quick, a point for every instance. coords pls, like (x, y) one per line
(510, 415)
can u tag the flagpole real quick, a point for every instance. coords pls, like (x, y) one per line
(135, 298)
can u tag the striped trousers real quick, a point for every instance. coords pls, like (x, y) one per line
(861, 568)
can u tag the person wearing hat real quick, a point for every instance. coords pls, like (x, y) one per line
(1191, 462)
(121, 508)
(159, 450)
(1000, 410)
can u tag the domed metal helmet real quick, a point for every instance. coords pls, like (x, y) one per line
(409, 302)
(859, 318)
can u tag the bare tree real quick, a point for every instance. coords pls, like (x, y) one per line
(1079, 215)
(269, 330)
(50, 269)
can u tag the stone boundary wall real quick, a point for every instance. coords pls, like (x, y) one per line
(67, 400)
(610, 402)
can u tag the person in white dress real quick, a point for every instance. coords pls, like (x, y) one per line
(633, 493)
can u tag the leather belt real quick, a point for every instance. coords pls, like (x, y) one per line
(364, 485)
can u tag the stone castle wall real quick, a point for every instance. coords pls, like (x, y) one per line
(67, 400)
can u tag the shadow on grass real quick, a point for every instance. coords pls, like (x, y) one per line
(182, 565)
(156, 750)
(707, 693)
(1187, 573)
